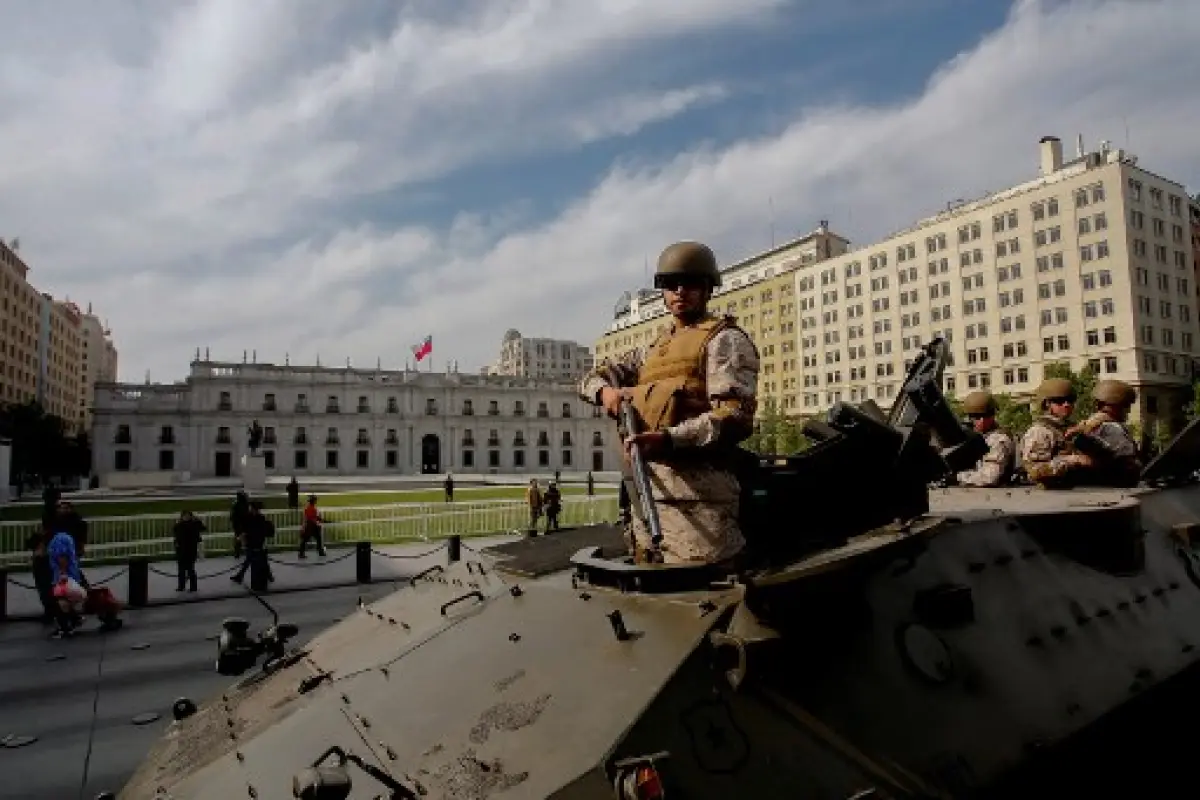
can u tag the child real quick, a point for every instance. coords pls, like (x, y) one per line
(69, 585)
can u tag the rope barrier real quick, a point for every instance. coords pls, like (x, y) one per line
(112, 577)
(402, 557)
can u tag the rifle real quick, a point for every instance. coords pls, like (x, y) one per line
(641, 477)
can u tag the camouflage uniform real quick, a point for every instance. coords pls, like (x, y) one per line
(995, 467)
(1119, 465)
(1043, 452)
(696, 497)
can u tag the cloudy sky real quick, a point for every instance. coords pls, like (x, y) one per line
(341, 179)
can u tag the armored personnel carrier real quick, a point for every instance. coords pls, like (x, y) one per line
(880, 640)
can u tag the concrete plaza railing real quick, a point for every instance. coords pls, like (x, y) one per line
(150, 536)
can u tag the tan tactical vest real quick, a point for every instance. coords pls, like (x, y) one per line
(672, 382)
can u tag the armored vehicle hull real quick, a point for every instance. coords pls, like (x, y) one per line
(894, 642)
(933, 659)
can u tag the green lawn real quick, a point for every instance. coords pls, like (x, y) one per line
(173, 505)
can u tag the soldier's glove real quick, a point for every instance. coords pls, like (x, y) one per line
(651, 443)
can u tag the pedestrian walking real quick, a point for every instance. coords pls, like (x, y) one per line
(239, 514)
(43, 574)
(310, 527)
(259, 531)
(533, 496)
(189, 532)
(553, 502)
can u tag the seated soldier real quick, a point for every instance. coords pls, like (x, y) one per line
(1046, 456)
(996, 466)
(1104, 437)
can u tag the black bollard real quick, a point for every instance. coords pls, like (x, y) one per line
(139, 581)
(3, 594)
(453, 548)
(363, 561)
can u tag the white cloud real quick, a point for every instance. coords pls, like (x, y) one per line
(203, 202)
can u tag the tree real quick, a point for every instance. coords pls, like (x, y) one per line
(1083, 382)
(41, 448)
(1014, 416)
(776, 433)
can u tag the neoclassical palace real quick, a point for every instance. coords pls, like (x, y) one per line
(322, 421)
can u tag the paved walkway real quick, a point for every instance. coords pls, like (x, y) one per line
(337, 568)
(84, 712)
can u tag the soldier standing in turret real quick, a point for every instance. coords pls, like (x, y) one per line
(694, 393)
(995, 467)
(1045, 455)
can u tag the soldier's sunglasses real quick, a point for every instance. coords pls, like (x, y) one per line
(674, 283)
(1061, 400)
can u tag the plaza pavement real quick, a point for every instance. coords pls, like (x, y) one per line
(78, 716)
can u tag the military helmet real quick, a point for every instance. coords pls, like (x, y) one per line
(688, 258)
(979, 403)
(1054, 387)
(1116, 393)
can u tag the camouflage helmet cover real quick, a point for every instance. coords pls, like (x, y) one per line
(979, 403)
(688, 258)
(1117, 393)
(1054, 387)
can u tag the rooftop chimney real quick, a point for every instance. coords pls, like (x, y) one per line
(1051, 154)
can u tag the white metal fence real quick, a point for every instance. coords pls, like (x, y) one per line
(152, 535)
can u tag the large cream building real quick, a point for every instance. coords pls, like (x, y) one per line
(60, 368)
(44, 347)
(20, 329)
(761, 292)
(543, 359)
(1089, 263)
(323, 421)
(98, 362)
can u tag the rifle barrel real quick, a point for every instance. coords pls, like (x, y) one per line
(641, 478)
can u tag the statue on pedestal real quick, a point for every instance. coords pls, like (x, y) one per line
(256, 434)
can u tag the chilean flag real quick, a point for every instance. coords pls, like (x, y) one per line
(424, 348)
